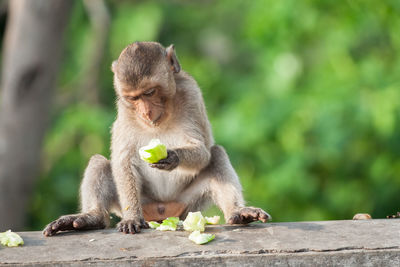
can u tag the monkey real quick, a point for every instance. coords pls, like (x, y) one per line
(156, 99)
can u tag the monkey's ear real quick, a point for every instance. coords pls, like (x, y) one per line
(114, 66)
(171, 56)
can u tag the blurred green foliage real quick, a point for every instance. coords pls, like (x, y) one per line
(304, 95)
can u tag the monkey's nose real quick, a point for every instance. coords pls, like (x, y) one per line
(148, 115)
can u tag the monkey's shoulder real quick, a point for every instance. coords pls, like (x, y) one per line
(185, 83)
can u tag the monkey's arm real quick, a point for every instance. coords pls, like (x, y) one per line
(191, 158)
(128, 183)
(194, 157)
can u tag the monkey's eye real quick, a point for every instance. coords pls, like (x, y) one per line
(150, 92)
(132, 98)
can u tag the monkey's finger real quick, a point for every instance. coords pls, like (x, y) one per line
(249, 215)
(253, 214)
(48, 231)
(131, 228)
(120, 227)
(163, 161)
(159, 166)
(137, 228)
(125, 228)
(264, 217)
(145, 225)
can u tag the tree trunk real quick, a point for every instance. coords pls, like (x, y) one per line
(100, 20)
(31, 57)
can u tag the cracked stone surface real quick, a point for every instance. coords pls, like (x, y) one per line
(369, 242)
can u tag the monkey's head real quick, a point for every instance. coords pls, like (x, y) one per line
(144, 80)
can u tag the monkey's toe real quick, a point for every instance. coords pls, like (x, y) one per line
(64, 223)
(48, 231)
(249, 214)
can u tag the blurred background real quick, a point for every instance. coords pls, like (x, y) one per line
(304, 96)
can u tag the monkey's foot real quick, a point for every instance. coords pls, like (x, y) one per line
(84, 221)
(249, 214)
(132, 226)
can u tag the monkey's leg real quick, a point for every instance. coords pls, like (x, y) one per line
(98, 198)
(219, 182)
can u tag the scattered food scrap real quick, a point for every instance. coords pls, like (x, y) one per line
(154, 225)
(199, 238)
(194, 222)
(11, 239)
(169, 224)
(212, 220)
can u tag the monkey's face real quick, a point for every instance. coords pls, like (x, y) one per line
(149, 103)
(144, 80)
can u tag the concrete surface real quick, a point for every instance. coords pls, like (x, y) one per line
(350, 243)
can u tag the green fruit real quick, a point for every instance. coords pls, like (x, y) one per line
(11, 239)
(212, 220)
(194, 222)
(153, 152)
(199, 238)
(154, 225)
(169, 224)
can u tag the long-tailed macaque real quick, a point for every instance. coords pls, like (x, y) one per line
(156, 99)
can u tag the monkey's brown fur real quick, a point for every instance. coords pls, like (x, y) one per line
(155, 99)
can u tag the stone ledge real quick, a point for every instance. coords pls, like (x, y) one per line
(369, 242)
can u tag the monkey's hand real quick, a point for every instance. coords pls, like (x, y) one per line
(132, 226)
(169, 163)
(249, 214)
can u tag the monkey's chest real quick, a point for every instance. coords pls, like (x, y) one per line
(163, 185)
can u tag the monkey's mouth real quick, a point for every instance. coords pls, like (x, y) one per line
(157, 121)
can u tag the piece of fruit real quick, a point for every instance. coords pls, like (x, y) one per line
(194, 222)
(11, 239)
(212, 220)
(200, 238)
(174, 220)
(153, 152)
(154, 225)
(169, 224)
